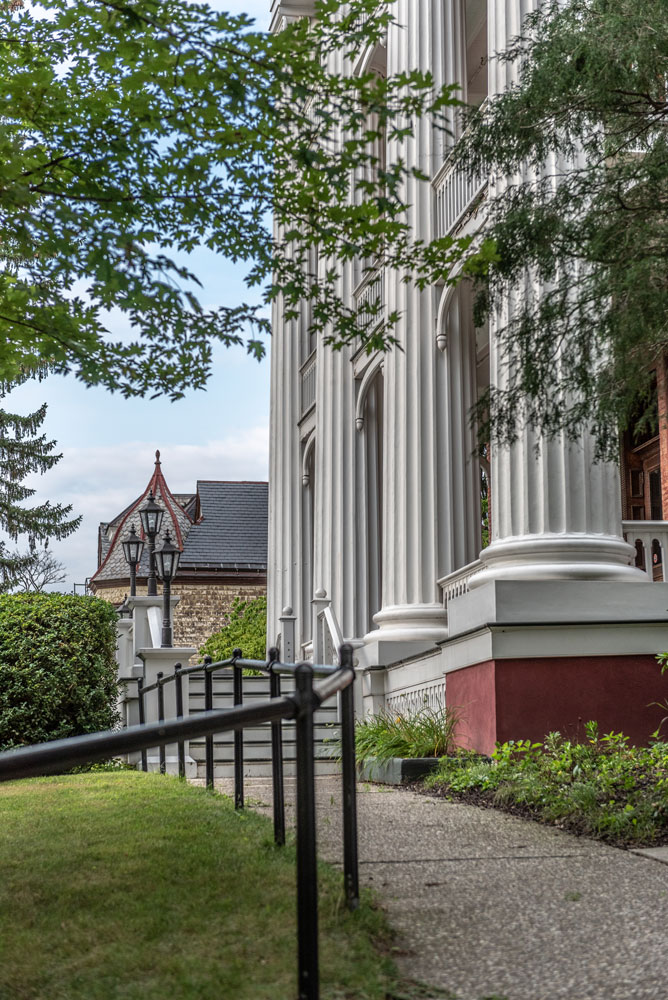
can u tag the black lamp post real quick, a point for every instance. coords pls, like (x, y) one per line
(133, 547)
(168, 561)
(151, 518)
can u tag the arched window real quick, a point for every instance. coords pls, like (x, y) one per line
(370, 498)
(475, 50)
(307, 538)
(464, 479)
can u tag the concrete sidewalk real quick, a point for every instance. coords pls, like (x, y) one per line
(487, 905)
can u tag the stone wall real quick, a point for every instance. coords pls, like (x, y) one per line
(203, 606)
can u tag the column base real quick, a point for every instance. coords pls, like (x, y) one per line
(574, 556)
(410, 623)
(525, 699)
(527, 658)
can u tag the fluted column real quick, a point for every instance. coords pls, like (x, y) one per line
(283, 568)
(411, 609)
(556, 514)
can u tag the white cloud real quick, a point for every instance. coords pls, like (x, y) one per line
(100, 481)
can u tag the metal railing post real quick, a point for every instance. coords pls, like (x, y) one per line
(161, 718)
(178, 691)
(238, 736)
(208, 706)
(277, 755)
(307, 872)
(142, 718)
(350, 852)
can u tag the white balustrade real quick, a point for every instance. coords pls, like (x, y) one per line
(457, 192)
(370, 300)
(650, 540)
(308, 373)
(457, 583)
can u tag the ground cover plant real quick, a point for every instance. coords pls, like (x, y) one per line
(57, 667)
(602, 787)
(426, 733)
(246, 630)
(140, 886)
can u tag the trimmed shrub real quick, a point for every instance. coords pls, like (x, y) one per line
(246, 630)
(57, 667)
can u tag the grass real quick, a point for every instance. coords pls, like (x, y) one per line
(602, 788)
(131, 886)
(427, 733)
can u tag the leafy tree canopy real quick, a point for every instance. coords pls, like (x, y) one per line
(581, 224)
(137, 130)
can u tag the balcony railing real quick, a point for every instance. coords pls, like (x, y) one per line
(308, 374)
(457, 583)
(370, 301)
(457, 193)
(650, 540)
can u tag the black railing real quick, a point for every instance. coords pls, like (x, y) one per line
(61, 755)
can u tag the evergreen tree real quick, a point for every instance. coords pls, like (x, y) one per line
(580, 222)
(23, 451)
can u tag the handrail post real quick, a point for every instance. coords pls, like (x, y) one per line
(350, 852)
(161, 718)
(238, 736)
(208, 706)
(178, 690)
(277, 755)
(142, 718)
(307, 872)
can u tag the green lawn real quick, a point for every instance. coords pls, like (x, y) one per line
(131, 886)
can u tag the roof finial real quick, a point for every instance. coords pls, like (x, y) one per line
(157, 456)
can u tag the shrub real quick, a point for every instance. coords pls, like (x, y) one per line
(602, 787)
(57, 667)
(246, 630)
(427, 733)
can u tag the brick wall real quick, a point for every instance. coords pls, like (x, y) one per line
(203, 606)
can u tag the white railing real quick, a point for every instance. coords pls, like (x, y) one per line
(370, 300)
(650, 540)
(457, 583)
(410, 701)
(457, 193)
(307, 374)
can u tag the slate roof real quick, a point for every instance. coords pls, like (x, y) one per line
(223, 526)
(231, 528)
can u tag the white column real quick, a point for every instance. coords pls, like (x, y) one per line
(285, 485)
(411, 608)
(556, 514)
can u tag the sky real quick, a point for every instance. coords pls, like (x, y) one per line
(108, 443)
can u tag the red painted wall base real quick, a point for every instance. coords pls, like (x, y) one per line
(527, 698)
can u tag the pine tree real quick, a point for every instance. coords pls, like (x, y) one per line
(23, 450)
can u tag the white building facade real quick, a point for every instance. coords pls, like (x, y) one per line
(375, 512)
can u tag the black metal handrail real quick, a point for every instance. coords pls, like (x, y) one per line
(61, 755)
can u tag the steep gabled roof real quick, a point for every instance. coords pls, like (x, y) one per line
(110, 550)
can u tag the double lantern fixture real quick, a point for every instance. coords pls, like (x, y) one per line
(165, 561)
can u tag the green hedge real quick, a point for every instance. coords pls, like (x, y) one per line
(57, 667)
